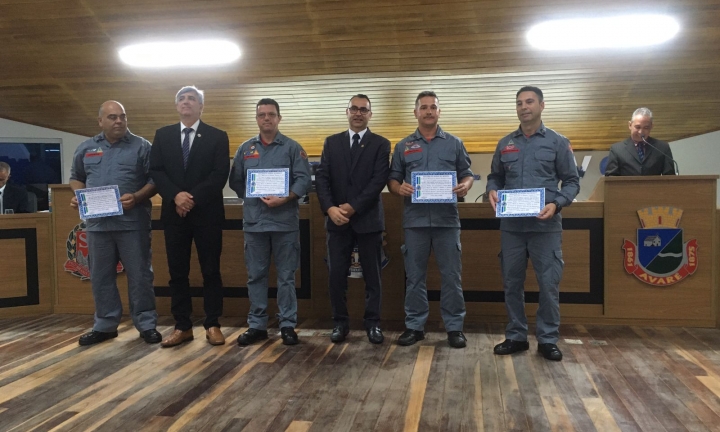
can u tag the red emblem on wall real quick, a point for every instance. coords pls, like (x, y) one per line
(77, 253)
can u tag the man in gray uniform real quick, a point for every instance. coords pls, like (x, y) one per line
(431, 226)
(271, 224)
(533, 156)
(117, 157)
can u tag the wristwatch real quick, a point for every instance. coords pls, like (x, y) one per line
(559, 207)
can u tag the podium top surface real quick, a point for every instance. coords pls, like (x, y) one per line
(660, 178)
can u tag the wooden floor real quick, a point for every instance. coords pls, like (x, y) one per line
(612, 378)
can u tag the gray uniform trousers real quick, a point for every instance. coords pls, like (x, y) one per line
(545, 251)
(132, 248)
(284, 246)
(445, 242)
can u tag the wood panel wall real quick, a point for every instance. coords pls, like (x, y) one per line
(59, 66)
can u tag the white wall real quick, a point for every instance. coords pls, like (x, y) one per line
(69, 142)
(698, 155)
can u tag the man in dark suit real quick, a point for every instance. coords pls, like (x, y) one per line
(640, 154)
(12, 197)
(353, 171)
(189, 164)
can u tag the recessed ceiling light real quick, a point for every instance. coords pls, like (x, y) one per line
(624, 31)
(180, 54)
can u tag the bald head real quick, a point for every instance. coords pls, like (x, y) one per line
(108, 104)
(112, 120)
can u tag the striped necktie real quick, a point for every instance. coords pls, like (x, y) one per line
(641, 150)
(186, 146)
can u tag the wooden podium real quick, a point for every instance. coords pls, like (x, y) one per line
(660, 259)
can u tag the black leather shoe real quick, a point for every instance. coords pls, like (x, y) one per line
(288, 335)
(151, 336)
(456, 339)
(375, 335)
(339, 333)
(96, 337)
(510, 346)
(550, 351)
(409, 337)
(251, 336)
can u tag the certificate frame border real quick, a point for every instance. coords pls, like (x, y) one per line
(413, 180)
(514, 191)
(249, 194)
(84, 216)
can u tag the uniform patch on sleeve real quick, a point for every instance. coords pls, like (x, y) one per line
(303, 154)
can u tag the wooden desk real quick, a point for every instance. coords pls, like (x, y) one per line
(26, 265)
(590, 291)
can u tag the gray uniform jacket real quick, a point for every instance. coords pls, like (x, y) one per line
(283, 152)
(445, 152)
(540, 161)
(126, 164)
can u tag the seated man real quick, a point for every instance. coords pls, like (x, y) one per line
(12, 197)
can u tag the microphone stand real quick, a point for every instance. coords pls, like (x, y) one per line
(675, 164)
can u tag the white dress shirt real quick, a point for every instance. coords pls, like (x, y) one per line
(352, 133)
(2, 197)
(192, 134)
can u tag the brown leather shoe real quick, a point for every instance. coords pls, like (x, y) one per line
(214, 336)
(176, 338)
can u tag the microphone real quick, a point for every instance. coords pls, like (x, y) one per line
(480, 196)
(677, 168)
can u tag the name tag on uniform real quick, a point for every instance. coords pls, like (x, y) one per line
(262, 183)
(93, 154)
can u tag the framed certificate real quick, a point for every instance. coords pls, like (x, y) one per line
(434, 186)
(99, 202)
(520, 202)
(261, 183)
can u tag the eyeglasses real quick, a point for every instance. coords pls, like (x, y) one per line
(269, 115)
(353, 109)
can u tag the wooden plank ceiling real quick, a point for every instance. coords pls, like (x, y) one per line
(59, 62)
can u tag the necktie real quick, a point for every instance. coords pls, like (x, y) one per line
(356, 140)
(641, 150)
(186, 146)
(2, 210)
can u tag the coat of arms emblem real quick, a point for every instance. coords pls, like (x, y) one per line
(660, 257)
(77, 253)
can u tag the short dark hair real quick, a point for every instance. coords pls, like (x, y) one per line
(268, 101)
(360, 96)
(533, 89)
(423, 94)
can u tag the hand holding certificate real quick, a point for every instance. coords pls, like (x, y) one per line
(434, 186)
(99, 202)
(262, 183)
(520, 202)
